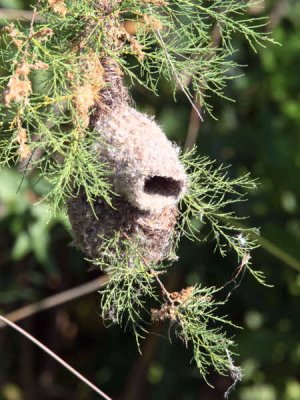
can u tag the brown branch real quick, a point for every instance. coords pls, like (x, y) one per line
(154, 273)
(56, 300)
(195, 122)
(193, 128)
(55, 357)
(136, 379)
(277, 14)
(162, 286)
(178, 80)
(17, 15)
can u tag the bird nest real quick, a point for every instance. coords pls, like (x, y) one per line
(146, 176)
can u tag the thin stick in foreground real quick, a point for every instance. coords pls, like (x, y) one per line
(55, 357)
(16, 15)
(56, 300)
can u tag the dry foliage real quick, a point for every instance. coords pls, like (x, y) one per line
(58, 6)
(87, 94)
(169, 310)
(43, 34)
(19, 86)
(158, 3)
(24, 150)
(14, 34)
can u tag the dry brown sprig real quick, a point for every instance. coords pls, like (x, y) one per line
(136, 48)
(14, 34)
(22, 139)
(58, 6)
(43, 34)
(119, 34)
(182, 296)
(156, 2)
(116, 33)
(93, 70)
(84, 98)
(152, 23)
(87, 94)
(39, 65)
(19, 86)
(107, 5)
(169, 310)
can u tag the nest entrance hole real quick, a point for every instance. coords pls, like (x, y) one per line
(166, 187)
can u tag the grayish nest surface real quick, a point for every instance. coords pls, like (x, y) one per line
(154, 232)
(145, 164)
(147, 177)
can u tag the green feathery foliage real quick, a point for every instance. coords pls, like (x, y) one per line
(209, 199)
(51, 76)
(177, 43)
(42, 77)
(130, 284)
(191, 312)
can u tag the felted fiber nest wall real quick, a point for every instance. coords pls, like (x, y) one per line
(147, 177)
(145, 164)
(153, 231)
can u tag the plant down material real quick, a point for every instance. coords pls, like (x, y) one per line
(93, 227)
(145, 164)
(146, 175)
(130, 194)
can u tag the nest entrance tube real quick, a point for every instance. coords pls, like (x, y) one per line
(145, 165)
(162, 186)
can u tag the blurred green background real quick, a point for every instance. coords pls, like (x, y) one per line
(260, 133)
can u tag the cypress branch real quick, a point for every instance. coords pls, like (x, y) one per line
(63, 98)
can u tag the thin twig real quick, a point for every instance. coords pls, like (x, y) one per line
(55, 357)
(162, 286)
(270, 247)
(178, 80)
(56, 300)
(278, 253)
(137, 376)
(33, 19)
(17, 15)
(153, 273)
(193, 129)
(277, 14)
(195, 122)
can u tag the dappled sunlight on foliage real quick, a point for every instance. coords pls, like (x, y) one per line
(258, 134)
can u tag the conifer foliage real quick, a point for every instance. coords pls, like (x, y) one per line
(63, 71)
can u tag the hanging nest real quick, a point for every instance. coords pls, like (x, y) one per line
(145, 167)
(146, 176)
(92, 229)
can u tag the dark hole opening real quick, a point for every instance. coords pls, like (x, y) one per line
(162, 186)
